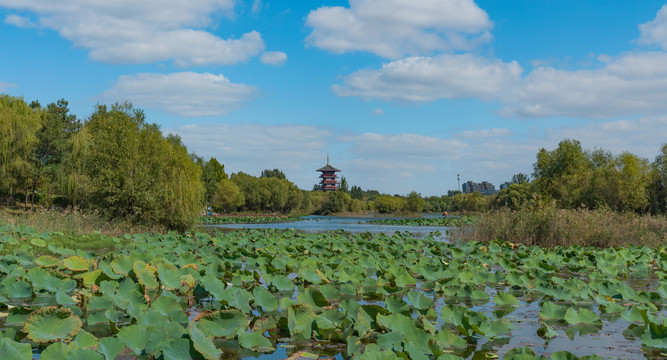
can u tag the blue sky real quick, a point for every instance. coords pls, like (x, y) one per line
(402, 95)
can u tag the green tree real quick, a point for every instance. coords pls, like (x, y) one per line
(515, 196)
(275, 173)
(343, 185)
(658, 183)
(520, 178)
(130, 170)
(228, 197)
(212, 173)
(19, 125)
(414, 203)
(386, 204)
(356, 192)
(52, 148)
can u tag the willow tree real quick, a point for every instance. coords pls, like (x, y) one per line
(18, 128)
(128, 169)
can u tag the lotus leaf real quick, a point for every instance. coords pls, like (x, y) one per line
(582, 316)
(55, 351)
(265, 299)
(135, 337)
(76, 263)
(202, 343)
(222, 323)
(505, 299)
(145, 275)
(177, 349)
(47, 261)
(49, 324)
(84, 340)
(300, 320)
(419, 301)
(552, 312)
(255, 341)
(110, 347)
(655, 336)
(83, 354)
(12, 350)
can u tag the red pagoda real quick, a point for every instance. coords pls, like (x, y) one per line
(329, 182)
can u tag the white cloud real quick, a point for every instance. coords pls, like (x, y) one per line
(20, 21)
(5, 85)
(403, 146)
(276, 58)
(634, 83)
(186, 94)
(486, 133)
(257, 6)
(423, 79)
(394, 28)
(655, 31)
(378, 112)
(127, 31)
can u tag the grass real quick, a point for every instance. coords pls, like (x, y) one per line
(549, 227)
(71, 222)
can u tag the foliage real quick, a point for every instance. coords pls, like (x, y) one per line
(197, 295)
(267, 193)
(228, 196)
(515, 196)
(130, 170)
(386, 204)
(414, 203)
(275, 173)
(18, 139)
(212, 173)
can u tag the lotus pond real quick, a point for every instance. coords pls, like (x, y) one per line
(283, 293)
(429, 221)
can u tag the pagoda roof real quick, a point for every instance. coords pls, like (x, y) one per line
(327, 167)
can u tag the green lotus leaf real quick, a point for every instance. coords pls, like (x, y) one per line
(373, 352)
(108, 270)
(38, 242)
(314, 298)
(449, 357)
(310, 274)
(420, 301)
(655, 336)
(110, 347)
(76, 263)
(167, 306)
(330, 292)
(505, 299)
(55, 351)
(449, 340)
(397, 305)
(176, 349)
(18, 289)
(84, 340)
(215, 287)
(202, 343)
(282, 283)
(51, 323)
(546, 332)
(582, 316)
(122, 265)
(522, 353)
(265, 299)
(223, 323)
(300, 320)
(47, 261)
(551, 311)
(135, 337)
(145, 275)
(62, 298)
(169, 276)
(90, 278)
(44, 279)
(12, 350)
(634, 314)
(238, 298)
(255, 341)
(563, 355)
(83, 354)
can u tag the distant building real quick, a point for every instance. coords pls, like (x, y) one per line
(505, 185)
(328, 182)
(485, 187)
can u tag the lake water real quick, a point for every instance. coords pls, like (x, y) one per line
(355, 225)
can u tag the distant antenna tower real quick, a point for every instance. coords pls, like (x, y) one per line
(458, 179)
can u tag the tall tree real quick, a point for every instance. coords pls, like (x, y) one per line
(212, 173)
(520, 178)
(18, 137)
(130, 170)
(275, 173)
(343, 184)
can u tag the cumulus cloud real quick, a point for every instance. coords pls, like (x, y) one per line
(655, 31)
(377, 112)
(424, 79)
(634, 83)
(186, 94)
(128, 31)
(20, 21)
(394, 28)
(276, 58)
